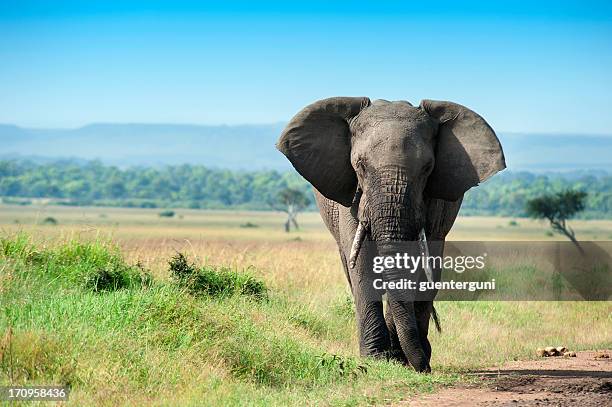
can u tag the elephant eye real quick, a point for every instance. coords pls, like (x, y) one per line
(428, 167)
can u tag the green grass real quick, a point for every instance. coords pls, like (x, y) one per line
(214, 281)
(275, 328)
(131, 339)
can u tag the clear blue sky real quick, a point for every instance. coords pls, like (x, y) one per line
(541, 66)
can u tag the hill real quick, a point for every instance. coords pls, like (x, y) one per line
(234, 147)
(251, 147)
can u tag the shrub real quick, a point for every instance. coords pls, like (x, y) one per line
(166, 214)
(49, 221)
(180, 268)
(249, 225)
(116, 278)
(96, 266)
(214, 281)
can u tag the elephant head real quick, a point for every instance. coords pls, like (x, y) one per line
(393, 154)
(389, 160)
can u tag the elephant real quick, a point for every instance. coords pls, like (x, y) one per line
(389, 171)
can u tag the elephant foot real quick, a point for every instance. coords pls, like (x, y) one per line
(397, 355)
(420, 363)
(422, 369)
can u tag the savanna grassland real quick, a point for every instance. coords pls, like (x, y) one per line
(91, 300)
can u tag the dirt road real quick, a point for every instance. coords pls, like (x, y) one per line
(585, 380)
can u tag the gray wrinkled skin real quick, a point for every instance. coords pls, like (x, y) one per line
(396, 169)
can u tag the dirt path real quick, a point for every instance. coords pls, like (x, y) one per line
(555, 381)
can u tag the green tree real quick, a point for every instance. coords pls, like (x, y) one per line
(557, 209)
(10, 186)
(291, 201)
(115, 188)
(199, 187)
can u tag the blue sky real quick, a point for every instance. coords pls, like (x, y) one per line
(527, 67)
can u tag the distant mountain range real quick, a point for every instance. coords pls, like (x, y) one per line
(250, 147)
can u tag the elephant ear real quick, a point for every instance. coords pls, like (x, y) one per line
(467, 150)
(317, 141)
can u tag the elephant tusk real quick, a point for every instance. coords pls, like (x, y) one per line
(425, 253)
(357, 241)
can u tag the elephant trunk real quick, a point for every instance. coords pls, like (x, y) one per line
(402, 307)
(394, 210)
(396, 215)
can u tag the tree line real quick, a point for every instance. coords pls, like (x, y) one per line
(508, 193)
(196, 186)
(186, 186)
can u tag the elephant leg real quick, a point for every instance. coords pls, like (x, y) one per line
(371, 326)
(423, 311)
(395, 350)
(408, 334)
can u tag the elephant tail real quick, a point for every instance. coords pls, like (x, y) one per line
(434, 316)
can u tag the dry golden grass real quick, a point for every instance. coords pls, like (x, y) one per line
(127, 223)
(304, 266)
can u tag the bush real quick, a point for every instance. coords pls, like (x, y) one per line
(95, 266)
(49, 221)
(166, 214)
(214, 281)
(249, 225)
(117, 278)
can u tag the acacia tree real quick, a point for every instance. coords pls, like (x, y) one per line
(557, 209)
(291, 201)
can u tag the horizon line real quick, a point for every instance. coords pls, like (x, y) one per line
(186, 124)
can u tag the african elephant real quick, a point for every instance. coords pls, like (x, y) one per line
(389, 171)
